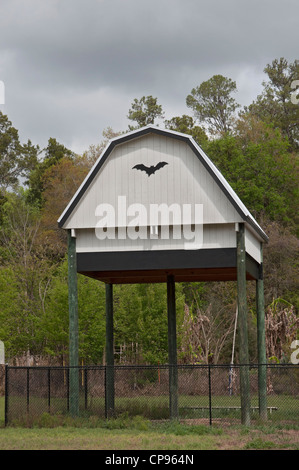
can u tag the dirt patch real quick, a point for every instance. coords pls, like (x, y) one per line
(260, 440)
(235, 437)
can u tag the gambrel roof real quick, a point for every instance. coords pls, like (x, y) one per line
(197, 150)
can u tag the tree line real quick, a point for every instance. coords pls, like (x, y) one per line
(256, 148)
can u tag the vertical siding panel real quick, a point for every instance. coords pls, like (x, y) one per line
(206, 235)
(156, 158)
(183, 172)
(89, 212)
(170, 172)
(146, 155)
(128, 174)
(204, 192)
(164, 183)
(176, 170)
(112, 196)
(137, 180)
(183, 180)
(194, 192)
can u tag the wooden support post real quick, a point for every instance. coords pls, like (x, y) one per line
(261, 343)
(109, 392)
(73, 327)
(243, 327)
(172, 349)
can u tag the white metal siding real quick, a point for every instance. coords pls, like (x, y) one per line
(184, 180)
(214, 236)
(252, 245)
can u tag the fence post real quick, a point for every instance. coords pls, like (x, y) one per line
(172, 349)
(28, 391)
(210, 396)
(85, 388)
(105, 389)
(109, 370)
(68, 389)
(73, 326)
(261, 342)
(6, 396)
(49, 389)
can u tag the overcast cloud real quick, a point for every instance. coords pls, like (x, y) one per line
(71, 68)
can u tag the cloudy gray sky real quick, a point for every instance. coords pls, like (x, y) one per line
(71, 68)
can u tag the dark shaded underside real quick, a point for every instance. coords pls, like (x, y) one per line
(154, 266)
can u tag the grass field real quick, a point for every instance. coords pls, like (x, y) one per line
(140, 435)
(137, 433)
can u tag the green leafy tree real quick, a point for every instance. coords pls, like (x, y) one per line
(141, 318)
(60, 182)
(275, 104)
(91, 155)
(281, 256)
(145, 111)
(213, 104)
(263, 173)
(91, 306)
(186, 125)
(30, 158)
(10, 153)
(52, 154)
(15, 159)
(11, 320)
(27, 271)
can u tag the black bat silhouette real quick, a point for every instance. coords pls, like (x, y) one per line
(149, 170)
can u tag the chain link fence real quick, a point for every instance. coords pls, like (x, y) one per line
(209, 393)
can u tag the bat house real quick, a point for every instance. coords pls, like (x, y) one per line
(154, 208)
(154, 204)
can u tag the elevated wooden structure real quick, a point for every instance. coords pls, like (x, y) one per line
(113, 239)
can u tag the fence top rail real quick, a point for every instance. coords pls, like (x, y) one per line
(153, 366)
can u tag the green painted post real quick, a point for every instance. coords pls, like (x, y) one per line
(172, 349)
(261, 342)
(243, 327)
(73, 327)
(109, 352)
